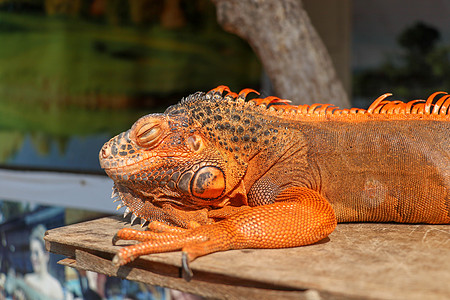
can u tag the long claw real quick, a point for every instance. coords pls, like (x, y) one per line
(116, 261)
(143, 222)
(115, 239)
(186, 271)
(133, 219)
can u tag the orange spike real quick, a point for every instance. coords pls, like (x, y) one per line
(243, 94)
(429, 102)
(220, 89)
(418, 108)
(291, 107)
(401, 108)
(313, 107)
(386, 109)
(270, 99)
(377, 109)
(257, 101)
(377, 101)
(411, 104)
(324, 109)
(231, 96)
(303, 108)
(445, 105)
(265, 101)
(280, 101)
(438, 104)
(336, 112)
(396, 108)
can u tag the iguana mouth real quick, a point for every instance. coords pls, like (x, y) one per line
(144, 206)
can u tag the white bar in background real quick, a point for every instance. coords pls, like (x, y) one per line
(82, 191)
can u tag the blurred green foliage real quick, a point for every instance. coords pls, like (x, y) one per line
(422, 67)
(70, 67)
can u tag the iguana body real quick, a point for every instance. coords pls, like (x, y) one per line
(232, 174)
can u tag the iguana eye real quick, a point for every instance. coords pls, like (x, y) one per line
(147, 135)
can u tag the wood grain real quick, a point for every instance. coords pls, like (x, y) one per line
(384, 261)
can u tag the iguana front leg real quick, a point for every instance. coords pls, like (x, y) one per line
(299, 216)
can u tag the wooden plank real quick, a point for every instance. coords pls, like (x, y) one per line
(87, 261)
(358, 261)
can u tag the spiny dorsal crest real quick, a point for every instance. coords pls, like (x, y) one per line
(380, 107)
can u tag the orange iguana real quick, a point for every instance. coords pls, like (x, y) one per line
(217, 172)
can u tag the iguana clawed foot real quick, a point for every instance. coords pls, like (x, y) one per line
(302, 217)
(194, 242)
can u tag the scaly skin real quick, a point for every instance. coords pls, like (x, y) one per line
(216, 172)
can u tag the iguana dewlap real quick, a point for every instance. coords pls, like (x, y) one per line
(216, 172)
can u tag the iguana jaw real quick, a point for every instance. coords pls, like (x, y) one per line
(148, 207)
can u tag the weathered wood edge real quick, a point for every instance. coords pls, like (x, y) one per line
(157, 273)
(98, 238)
(149, 271)
(87, 261)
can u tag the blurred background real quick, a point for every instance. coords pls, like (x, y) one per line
(74, 73)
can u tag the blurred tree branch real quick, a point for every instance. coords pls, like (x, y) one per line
(293, 55)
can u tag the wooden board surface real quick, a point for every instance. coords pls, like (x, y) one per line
(373, 261)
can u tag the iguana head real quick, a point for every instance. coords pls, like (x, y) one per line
(192, 156)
